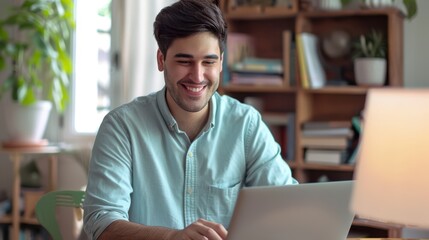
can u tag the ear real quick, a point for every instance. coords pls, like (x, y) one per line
(160, 60)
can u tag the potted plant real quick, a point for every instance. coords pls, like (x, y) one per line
(410, 5)
(34, 52)
(369, 54)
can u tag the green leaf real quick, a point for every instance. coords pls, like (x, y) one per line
(60, 8)
(3, 34)
(411, 6)
(40, 58)
(28, 98)
(7, 84)
(345, 2)
(2, 63)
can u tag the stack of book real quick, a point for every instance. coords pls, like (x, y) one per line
(257, 71)
(327, 142)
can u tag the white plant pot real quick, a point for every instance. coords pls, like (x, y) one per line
(370, 71)
(26, 124)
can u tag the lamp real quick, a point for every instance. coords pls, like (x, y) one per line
(392, 171)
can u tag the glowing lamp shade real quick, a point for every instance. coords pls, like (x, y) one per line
(392, 171)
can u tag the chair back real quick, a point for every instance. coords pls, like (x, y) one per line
(46, 208)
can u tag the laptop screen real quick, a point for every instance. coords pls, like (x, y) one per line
(306, 211)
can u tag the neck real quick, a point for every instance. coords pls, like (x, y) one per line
(190, 122)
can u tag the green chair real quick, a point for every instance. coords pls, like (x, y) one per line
(46, 208)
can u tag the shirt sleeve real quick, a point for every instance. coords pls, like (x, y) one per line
(265, 165)
(109, 183)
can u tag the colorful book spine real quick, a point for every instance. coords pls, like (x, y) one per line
(316, 73)
(302, 62)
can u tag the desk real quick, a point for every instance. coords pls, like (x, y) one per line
(16, 155)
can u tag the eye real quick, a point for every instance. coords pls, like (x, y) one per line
(209, 62)
(184, 62)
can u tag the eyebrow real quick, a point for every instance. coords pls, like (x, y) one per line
(185, 55)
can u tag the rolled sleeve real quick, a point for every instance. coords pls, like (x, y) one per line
(109, 185)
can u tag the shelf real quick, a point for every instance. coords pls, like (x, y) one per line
(377, 228)
(260, 12)
(257, 88)
(31, 220)
(50, 149)
(339, 90)
(326, 167)
(351, 13)
(371, 223)
(259, 15)
(333, 102)
(7, 219)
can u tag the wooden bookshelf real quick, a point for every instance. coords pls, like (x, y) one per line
(326, 103)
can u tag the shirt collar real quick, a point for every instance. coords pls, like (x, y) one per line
(168, 117)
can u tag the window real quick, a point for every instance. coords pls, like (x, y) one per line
(107, 28)
(91, 90)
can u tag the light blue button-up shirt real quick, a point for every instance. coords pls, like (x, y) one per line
(144, 169)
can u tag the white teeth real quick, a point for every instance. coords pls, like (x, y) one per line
(194, 89)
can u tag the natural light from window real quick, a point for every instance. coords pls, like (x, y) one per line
(92, 65)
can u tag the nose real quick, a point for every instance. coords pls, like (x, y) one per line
(197, 74)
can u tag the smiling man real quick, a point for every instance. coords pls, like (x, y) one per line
(170, 165)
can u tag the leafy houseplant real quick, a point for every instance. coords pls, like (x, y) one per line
(410, 6)
(369, 53)
(371, 45)
(34, 54)
(34, 51)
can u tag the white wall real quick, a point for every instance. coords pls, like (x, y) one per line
(416, 53)
(416, 50)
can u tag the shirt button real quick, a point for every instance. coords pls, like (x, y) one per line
(190, 154)
(189, 191)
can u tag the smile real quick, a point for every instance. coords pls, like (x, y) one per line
(195, 89)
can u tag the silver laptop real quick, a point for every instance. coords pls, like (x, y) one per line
(313, 211)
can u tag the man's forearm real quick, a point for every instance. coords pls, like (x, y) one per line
(121, 229)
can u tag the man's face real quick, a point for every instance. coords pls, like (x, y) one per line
(191, 71)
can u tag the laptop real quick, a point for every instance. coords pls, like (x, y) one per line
(313, 211)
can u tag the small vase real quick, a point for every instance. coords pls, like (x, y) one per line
(370, 71)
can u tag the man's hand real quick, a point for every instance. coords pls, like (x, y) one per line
(200, 230)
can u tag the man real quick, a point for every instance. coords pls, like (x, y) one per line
(170, 165)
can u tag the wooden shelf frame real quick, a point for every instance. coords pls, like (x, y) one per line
(327, 103)
(16, 155)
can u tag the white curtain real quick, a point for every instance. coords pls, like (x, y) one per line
(135, 46)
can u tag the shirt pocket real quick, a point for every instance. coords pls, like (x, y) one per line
(221, 202)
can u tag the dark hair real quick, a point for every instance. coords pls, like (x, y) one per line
(187, 17)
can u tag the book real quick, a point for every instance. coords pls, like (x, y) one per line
(291, 136)
(325, 142)
(327, 124)
(287, 53)
(239, 46)
(325, 156)
(293, 65)
(282, 126)
(316, 73)
(303, 73)
(272, 118)
(258, 65)
(357, 125)
(256, 79)
(345, 132)
(279, 133)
